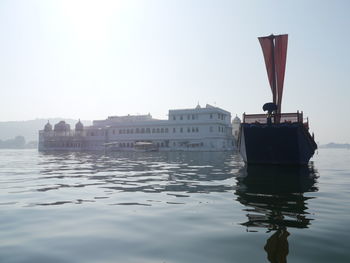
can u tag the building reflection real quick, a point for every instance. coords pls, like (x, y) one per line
(144, 172)
(274, 199)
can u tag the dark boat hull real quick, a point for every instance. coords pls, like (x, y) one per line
(284, 143)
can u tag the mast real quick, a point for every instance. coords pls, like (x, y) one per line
(273, 67)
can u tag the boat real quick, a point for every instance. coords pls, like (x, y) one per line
(275, 137)
(146, 146)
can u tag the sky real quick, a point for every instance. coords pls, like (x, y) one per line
(93, 59)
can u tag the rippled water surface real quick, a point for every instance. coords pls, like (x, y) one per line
(172, 207)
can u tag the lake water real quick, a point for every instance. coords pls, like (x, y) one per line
(172, 207)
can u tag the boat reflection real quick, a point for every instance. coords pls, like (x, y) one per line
(274, 200)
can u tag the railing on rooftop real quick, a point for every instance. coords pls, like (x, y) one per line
(283, 118)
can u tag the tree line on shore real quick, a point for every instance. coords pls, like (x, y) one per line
(18, 142)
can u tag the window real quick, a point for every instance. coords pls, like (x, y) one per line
(193, 116)
(197, 129)
(193, 129)
(174, 118)
(188, 117)
(148, 130)
(188, 129)
(211, 116)
(166, 130)
(181, 130)
(181, 118)
(153, 130)
(174, 130)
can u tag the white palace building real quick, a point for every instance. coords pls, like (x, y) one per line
(198, 129)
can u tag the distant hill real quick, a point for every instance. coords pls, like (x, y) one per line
(336, 145)
(29, 129)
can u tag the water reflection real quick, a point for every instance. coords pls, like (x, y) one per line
(178, 174)
(274, 200)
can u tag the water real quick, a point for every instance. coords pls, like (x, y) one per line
(171, 207)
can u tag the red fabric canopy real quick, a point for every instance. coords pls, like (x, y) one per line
(275, 55)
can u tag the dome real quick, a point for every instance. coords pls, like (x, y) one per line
(62, 126)
(79, 126)
(48, 127)
(236, 120)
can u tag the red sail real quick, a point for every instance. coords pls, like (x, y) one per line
(275, 55)
(267, 48)
(281, 43)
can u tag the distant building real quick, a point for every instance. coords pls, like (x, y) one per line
(197, 129)
(236, 123)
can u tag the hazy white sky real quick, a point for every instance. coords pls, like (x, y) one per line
(91, 59)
